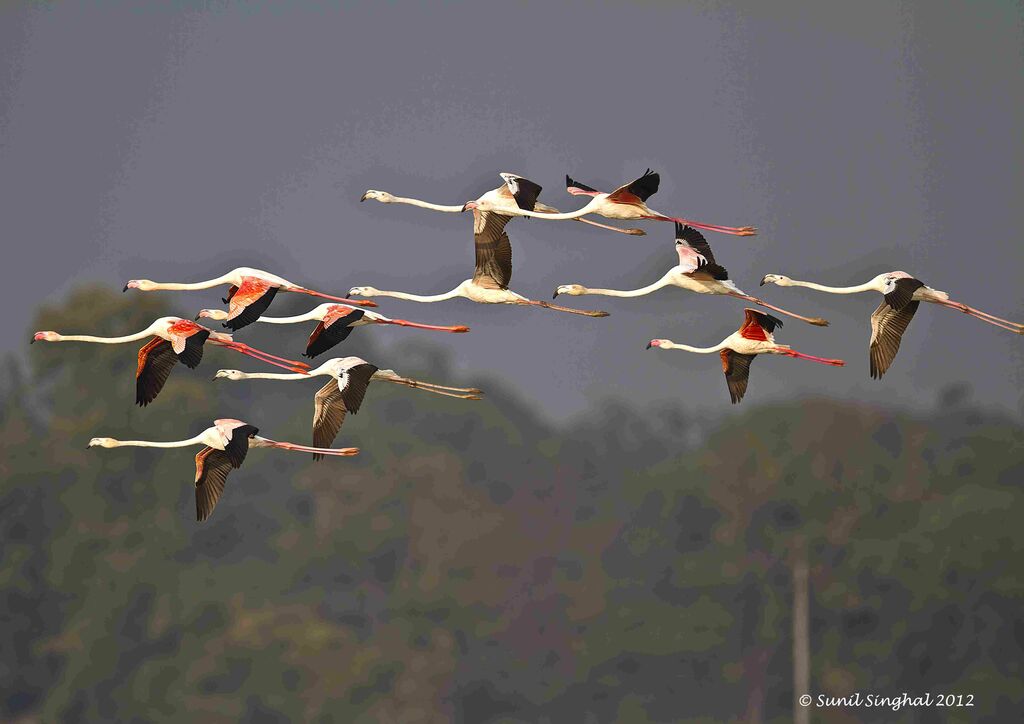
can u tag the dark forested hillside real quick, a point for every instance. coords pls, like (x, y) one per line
(476, 563)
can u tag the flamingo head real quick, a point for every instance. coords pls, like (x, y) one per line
(662, 343)
(229, 374)
(362, 292)
(45, 337)
(218, 314)
(102, 442)
(383, 196)
(573, 290)
(776, 279)
(143, 285)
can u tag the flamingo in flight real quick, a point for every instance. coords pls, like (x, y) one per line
(173, 340)
(902, 294)
(493, 269)
(225, 446)
(738, 350)
(628, 202)
(516, 193)
(697, 271)
(336, 322)
(250, 293)
(344, 392)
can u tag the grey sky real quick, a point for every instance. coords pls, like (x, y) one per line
(174, 143)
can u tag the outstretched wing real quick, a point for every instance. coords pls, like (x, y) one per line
(156, 360)
(493, 252)
(695, 253)
(192, 355)
(887, 328)
(249, 303)
(353, 384)
(523, 190)
(736, 367)
(901, 292)
(638, 190)
(577, 189)
(758, 325)
(328, 334)
(328, 415)
(212, 468)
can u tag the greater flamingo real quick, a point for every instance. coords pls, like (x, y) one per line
(173, 339)
(697, 271)
(493, 269)
(344, 392)
(628, 202)
(225, 447)
(738, 350)
(250, 293)
(336, 322)
(902, 295)
(516, 193)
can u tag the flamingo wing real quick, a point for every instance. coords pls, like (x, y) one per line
(353, 384)
(758, 325)
(695, 253)
(493, 251)
(577, 189)
(156, 360)
(900, 292)
(249, 302)
(887, 327)
(328, 415)
(212, 469)
(736, 367)
(523, 190)
(638, 190)
(331, 332)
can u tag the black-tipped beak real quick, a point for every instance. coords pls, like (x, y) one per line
(465, 206)
(648, 345)
(198, 316)
(125, 288)
(215, 378)
(362, 198)
(555, 295)
(762, 280)
(348, 296)
(32, 341)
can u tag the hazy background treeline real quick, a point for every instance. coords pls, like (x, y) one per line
(478, 564)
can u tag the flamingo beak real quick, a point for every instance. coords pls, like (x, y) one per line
(649, 345)
(762, 280)
(555, 295)
(362, 198)
(469, 205)
(125, 288)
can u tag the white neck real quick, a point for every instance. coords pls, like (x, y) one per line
(426, 205)
(866, 287)
(551, 217)
(148, 332)
(456, 292)
(278, 376)
(226, 279)
(316, 314)
(699, 350)
(663, 282)
(198, 439)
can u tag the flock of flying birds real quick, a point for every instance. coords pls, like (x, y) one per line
(251, 291)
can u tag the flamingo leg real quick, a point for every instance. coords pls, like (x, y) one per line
(631, 232)
(816, 321)
(558, 308)
(459, 392)
(734, 230)
(241, 346)
(261, 356)
(812, 358)
(340, 452)
(983, 316)
(346, 300)
(458, 329)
